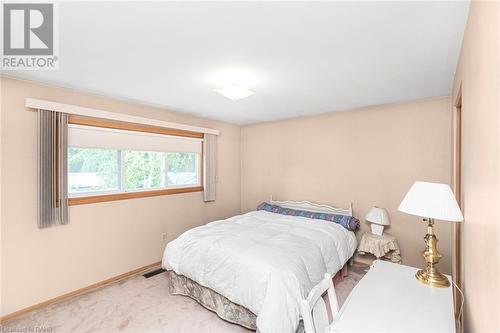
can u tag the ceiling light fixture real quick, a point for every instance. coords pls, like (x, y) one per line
(234, 92)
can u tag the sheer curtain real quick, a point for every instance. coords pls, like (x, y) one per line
(52, 168)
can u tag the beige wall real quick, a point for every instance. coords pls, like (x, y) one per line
(369, 156)
(478, 75)
(102, 240)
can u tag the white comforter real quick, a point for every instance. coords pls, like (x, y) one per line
(264, 261)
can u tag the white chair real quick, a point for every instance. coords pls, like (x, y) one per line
(315, 310)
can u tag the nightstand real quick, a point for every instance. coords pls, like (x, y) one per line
(385, 246)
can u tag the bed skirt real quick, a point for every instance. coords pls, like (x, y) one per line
(213, 301)
(223, 307)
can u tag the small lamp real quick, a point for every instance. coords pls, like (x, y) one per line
(431, 201)
(379, 218)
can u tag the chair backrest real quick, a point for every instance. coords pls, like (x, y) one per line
(314, 309)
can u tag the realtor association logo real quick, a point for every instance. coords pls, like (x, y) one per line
(29, 32)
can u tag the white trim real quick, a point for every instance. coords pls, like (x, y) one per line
(121, 169)
(312, 207)
(82, 111)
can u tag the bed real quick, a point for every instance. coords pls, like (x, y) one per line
(254, 269)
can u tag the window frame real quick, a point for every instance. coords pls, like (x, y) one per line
(122, 194)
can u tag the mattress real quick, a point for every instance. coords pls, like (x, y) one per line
(264, 261)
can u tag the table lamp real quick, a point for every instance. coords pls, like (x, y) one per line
(379, 218)
(431, 201)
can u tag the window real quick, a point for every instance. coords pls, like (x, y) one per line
(103, 161)
(144, 170)
(93, 170)
(183, 169)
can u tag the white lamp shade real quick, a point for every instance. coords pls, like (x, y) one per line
(378, 215)
(431, 200)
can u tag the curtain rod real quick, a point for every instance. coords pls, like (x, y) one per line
(82, 111)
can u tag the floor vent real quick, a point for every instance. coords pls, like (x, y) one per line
(153, 273)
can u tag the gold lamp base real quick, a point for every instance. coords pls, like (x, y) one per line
(430, 275)
(434, 280)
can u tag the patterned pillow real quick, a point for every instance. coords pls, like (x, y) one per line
(348, 222)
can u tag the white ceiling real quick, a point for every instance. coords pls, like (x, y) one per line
(300, 58)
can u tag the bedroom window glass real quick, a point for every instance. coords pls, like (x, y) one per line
(93, 170)
(183, 169)
(144, 169)
(105, 161)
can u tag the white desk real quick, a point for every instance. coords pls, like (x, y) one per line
(390, 299)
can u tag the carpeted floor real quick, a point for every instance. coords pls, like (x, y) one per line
(137, 305)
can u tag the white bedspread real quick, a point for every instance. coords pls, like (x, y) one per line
(264, 261)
